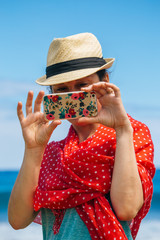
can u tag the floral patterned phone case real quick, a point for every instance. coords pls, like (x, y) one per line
(70, 105)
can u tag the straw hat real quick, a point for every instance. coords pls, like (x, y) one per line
(72, 58)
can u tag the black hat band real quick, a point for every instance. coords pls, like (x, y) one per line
(73, 65)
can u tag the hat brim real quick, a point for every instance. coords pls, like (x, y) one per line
(73, 75)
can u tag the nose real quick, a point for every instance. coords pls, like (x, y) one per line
(72, 86)
(72, 89)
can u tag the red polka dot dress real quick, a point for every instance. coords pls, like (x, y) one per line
(74, 175)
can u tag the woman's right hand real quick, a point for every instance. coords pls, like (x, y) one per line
(36, 130)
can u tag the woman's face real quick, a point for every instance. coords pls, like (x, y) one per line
(75, 85)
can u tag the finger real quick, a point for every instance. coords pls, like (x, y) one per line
(29, 103)
(87, 120)
(114, 88)
(99, 88)
(52, 126)
(110, 88)
(87, 89)
(38, 102)
(20, 112)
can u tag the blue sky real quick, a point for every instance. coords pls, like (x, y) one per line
(127, 30)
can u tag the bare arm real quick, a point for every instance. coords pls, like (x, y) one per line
(126, 188)
(36, 133)
(20, 209)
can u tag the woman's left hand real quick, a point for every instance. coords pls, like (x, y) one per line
(111, 113)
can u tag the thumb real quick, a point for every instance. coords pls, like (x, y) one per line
(52, 126)
(87, 120)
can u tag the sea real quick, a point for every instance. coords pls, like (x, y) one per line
(149, 230)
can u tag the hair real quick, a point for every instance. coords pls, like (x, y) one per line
(101, 75)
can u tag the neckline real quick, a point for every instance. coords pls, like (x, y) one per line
(88, 139)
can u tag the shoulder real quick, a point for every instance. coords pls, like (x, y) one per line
(143, 144)
(141, 133)
(139, 127)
